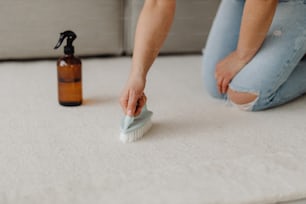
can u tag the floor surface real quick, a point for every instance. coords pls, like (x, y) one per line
(199, 150)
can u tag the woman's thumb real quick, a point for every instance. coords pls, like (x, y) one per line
(132, 103)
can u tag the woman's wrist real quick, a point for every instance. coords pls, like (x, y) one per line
(243, 56)
(138, 73)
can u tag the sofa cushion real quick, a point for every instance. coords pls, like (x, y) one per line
(30, 29)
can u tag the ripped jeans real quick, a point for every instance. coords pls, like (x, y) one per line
(276, 74)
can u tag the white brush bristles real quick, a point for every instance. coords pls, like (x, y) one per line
(136, 134)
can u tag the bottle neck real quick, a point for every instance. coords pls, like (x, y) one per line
(69, 49)
(68, 55)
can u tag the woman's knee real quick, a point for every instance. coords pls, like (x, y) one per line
(243, 100)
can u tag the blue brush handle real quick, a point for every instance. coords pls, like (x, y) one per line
(129, 122)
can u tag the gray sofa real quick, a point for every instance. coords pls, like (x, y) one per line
(30, 29)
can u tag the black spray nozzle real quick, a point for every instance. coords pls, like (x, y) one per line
(71, 36)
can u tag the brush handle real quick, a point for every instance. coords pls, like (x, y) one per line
(128, 120)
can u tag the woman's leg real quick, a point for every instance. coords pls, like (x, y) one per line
(276, 74)
(222, 40)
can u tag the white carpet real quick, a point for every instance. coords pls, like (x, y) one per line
(198, 151)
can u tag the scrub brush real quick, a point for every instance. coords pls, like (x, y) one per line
(134, 128)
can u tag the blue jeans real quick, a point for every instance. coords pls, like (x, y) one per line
(276, 74)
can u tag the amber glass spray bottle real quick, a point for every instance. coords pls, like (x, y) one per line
(69, 73)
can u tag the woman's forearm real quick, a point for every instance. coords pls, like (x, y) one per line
(256, 21)
(153, 26)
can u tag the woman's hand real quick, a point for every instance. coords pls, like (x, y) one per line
(226, 69)
(133, 98)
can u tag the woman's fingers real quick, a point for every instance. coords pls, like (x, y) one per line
(124, 99)
(222, 83)
(132, 103)
(140, 104)
(132, 93)
(219, 84)
(225, 85)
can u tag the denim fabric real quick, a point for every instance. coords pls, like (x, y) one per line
(276, 73)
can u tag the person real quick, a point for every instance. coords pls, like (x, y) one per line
(253, 55)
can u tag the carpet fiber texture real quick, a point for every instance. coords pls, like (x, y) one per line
(199, 150)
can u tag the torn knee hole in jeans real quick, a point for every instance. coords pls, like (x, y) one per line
(244, 106)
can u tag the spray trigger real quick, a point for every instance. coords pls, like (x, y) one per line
(71, 36)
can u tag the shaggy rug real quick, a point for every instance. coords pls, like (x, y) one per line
(199, 150)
